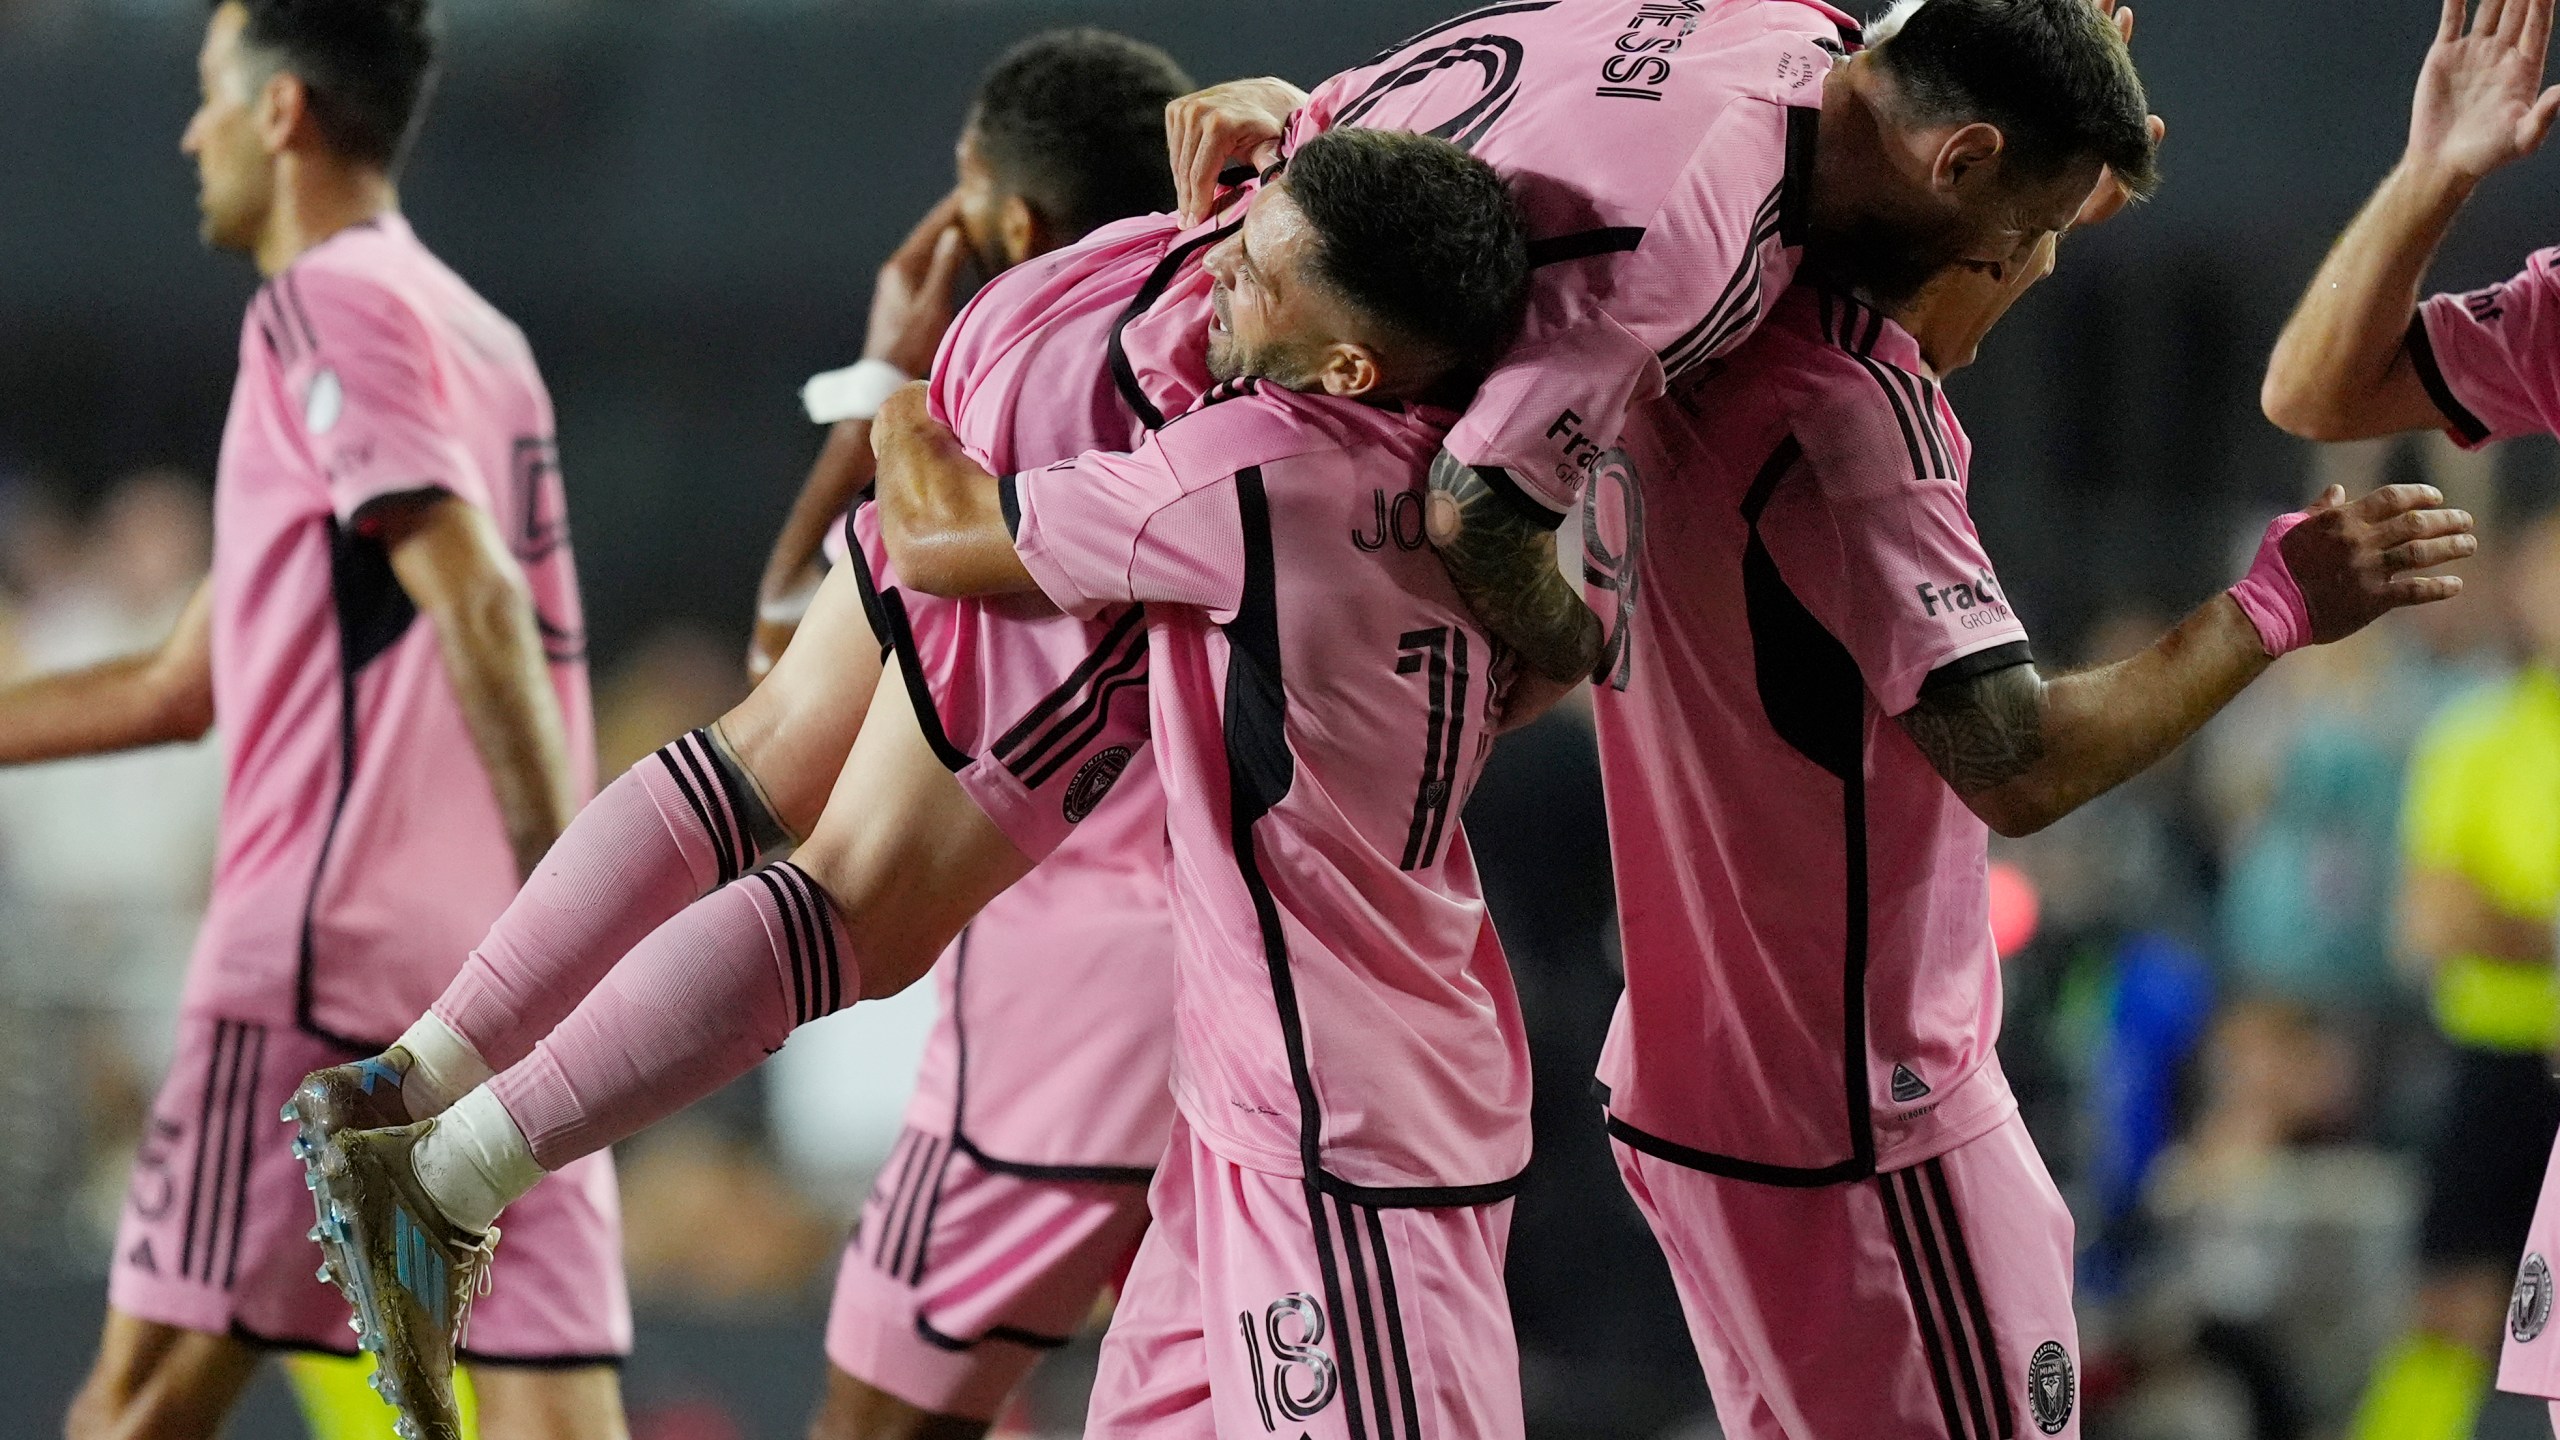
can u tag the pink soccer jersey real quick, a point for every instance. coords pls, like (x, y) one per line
(1321, 707)
(1811, 992)
(2491, 358)
(362, 853)
(1663, 153)
(1053, 1049)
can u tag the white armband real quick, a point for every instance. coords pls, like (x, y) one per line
(855, 392)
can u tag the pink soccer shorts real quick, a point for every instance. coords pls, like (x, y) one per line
(1252, 1312)
(1930, 1303)
(961, 1276)
(215, 1235)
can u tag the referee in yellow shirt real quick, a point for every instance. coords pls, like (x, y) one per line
(2481, 841)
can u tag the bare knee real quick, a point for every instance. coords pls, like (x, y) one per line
(857, 1410)
(522, 1402)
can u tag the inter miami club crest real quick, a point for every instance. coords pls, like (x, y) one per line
(2530, 1310)
(2051, 1389)
(1094, 781)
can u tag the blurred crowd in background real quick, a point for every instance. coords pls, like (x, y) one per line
(2224, 1049)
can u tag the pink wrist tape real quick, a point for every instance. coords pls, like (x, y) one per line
(2269, 596)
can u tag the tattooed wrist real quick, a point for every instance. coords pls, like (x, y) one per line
(1503, 565)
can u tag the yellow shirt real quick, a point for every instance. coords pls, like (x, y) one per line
(2483, 802)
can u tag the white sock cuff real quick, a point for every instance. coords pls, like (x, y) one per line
(476, 1162)
(445, 1067)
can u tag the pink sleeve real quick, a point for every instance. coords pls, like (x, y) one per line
(1882, 550)
(372, 398)
(2491, 359)
(1108, 529)
(1604, 330)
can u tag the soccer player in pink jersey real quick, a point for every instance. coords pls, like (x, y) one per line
(390, 643)
(1331, 1218)
(1678, 159)
(2365, 356)
(1817, 703)
(1041, 1106)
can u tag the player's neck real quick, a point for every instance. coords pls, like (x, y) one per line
(316, 197)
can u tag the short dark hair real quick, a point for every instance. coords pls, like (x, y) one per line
(367, 66)
(1418, 235)
(1073, 122)
(2053, 75)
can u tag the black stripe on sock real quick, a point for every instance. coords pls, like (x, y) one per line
(806, 942)
(798, 971)
(672, 757)
(724, 826)
(734, 789)
(1918, 1295)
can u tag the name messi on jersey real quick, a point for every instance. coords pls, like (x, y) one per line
(1980, 593)
(1641, 61)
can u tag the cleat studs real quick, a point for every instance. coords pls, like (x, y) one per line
(314, 1234)
(356, 1323)
(323, 1277)
(401, 1429)
(310, 1181)
(287, 1114)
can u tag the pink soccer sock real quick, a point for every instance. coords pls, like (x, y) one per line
(669, 829)
(699, 1003)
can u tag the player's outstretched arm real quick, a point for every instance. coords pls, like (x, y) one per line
(157, 698)
(455, 567)
(2024, 750)
(2342, 368)
(1503, 563)
(912, 304)
(941, 513)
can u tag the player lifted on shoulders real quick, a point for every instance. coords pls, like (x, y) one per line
(1677, 162)
(1812, 649)
(390, 642)
(2364, 356)
(1350, 1068)
(1042, 1106)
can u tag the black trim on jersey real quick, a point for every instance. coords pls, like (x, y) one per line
(1736, 305)
(1848, 322)
(373, 613)
(1009, 1334)
(1917, 1294)
(1442, 650)
(465, 1354)
(869, 588)
(291, 285)
(1583, 244)
(1523, 504)
(1260, 771)
(1009, 500)
(1044, 739)
(2422, 358)
(1123, 374)
(1518, 7)
(1978, 664)
(1815, 700)
(226, 1132)
(1961, 1254)
(902, 639)
(1795, 184)
(960, 1141)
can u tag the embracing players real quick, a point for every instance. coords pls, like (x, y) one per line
(390, 643)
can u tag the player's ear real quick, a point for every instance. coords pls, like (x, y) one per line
(1966, 158)
(1022, 231)
(1351, 370)
(283, 109)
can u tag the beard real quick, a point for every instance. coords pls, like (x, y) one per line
(1887, 261)
(1291, 366)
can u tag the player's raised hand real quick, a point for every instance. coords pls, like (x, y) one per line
(2355, 562)
(2480, 101)
(1207, 130)
(913, 301)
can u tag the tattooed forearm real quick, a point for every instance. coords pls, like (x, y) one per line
(1983, 732)
(1504, 566)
